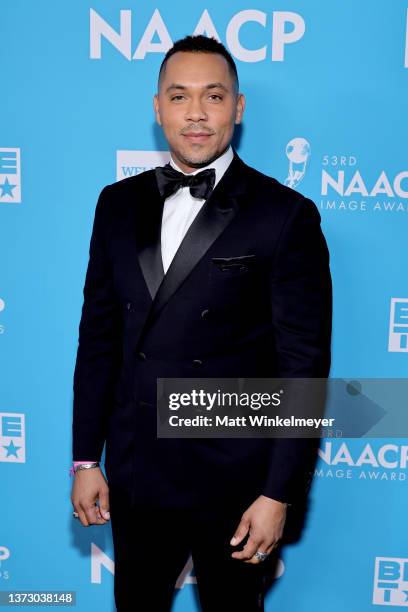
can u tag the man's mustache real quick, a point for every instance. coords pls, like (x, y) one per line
(198, 130)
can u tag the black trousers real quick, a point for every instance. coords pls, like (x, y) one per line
(153, 544)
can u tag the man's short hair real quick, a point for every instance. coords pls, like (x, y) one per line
(201, 44)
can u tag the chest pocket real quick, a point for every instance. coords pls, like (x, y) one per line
(225, 268)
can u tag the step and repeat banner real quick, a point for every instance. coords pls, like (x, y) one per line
(327, 100)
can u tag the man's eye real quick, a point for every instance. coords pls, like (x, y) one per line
(177, 97)
(216, 96)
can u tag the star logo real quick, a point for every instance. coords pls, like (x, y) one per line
(7, 188)
(11, 449)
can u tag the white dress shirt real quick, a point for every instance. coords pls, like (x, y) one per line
(180, 209)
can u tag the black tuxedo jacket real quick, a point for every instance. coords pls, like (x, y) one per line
(263, 310)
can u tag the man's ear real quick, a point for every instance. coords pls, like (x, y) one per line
(240, 108)
(156, 108)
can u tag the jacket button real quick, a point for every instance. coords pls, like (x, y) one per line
(142, 356)
(197, 362)
(205, 313)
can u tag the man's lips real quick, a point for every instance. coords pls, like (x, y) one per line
(197, 136)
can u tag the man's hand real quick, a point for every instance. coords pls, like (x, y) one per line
(265, 520)
(90, 486)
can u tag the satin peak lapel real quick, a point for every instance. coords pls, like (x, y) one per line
(148, 229)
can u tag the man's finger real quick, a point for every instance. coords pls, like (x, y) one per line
(82, 516)
(249, 549)
(90, 511)
(261, 548)
(104, 505)
(98, 516)
(98, 519)
(248, 552)
(241, 532)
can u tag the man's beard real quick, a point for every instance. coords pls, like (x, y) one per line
(202, 161)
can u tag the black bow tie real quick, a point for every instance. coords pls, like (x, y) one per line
(170, 180)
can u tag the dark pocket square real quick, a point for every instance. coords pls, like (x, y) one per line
(240, 262)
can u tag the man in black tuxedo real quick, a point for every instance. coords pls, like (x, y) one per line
(203, 268)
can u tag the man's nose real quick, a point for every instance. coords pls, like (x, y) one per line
(195, 111)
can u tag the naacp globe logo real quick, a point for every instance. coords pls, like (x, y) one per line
(297, 151)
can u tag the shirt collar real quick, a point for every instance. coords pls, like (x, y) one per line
(220, 164)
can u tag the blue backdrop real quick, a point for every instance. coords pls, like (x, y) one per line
(326, 87)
